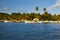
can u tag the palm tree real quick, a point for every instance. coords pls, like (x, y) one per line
(44, 9)
(36, 8)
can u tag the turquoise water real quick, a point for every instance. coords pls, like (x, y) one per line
(22, 31)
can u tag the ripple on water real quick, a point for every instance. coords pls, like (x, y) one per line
(13, 31)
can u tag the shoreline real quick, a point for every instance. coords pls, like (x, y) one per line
(30, 21)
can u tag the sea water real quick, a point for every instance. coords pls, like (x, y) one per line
(29, 31)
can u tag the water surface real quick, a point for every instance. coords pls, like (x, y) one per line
(24, 31)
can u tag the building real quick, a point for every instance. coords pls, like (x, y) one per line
(36, 20)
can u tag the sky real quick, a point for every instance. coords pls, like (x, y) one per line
(10, 6)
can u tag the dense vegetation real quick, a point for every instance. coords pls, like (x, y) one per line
(30, 16)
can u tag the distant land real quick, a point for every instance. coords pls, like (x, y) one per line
(22, 17)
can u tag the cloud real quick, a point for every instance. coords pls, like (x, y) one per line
(56, 5)
(4, 8)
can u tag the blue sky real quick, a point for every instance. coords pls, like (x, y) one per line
(10, 6)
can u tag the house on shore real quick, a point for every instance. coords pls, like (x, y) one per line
(36, 20)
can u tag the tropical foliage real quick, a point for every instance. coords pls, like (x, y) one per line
(30, 16)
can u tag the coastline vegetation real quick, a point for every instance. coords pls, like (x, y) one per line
(30, 16)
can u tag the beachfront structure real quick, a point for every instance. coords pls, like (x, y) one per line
(36, 20)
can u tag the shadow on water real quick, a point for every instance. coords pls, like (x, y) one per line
(22, 31)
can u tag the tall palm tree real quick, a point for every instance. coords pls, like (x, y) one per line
(44, 9)
(36, 8)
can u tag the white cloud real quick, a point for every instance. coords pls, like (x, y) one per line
(3, 8)
(56, 5)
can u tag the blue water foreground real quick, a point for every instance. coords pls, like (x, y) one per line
(25, 31)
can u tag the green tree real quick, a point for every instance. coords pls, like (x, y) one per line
(44, 9)
(36, 8)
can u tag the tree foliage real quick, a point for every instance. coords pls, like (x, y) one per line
(36, 8)
(30, 16)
